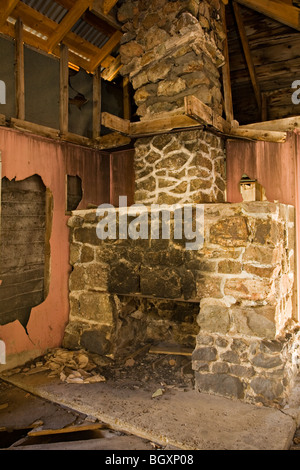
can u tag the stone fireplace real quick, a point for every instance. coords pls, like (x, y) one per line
(232, 301)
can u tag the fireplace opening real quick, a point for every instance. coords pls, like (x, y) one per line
(165, 323)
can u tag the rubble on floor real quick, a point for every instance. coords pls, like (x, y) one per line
(28, 422)
(166, 366)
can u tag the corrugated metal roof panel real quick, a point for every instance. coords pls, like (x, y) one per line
(90, 34)
(56, 12)
(49, 8)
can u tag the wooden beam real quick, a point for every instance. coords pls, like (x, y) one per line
(2, 120)
(259, 135)
(202, 113)
(279, 125)
(113, 140)
(247, 54)
(228, 106)
(109, 19)
(90, 18)
(161, 125)
(64, 90)
(105, 50)
(112, 71)
(107, 5)
(281, 12)
(19, 70)
(198, 110)
(68, 22)
(7, 8)
(126, 98)
(115, 123)
(34, 128)
(97, 103)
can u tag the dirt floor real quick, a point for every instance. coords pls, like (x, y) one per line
(144, 401)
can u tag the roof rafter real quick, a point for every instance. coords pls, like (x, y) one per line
(106, 50)
(107, 5)
(38, 29)
(247, 53)
(279, 11)
(7, 9)
(68, 22)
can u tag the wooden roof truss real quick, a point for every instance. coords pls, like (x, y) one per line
(45, 34)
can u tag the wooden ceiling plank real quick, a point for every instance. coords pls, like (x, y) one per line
(7, 9)
(247, 53)
(106, 50)
(281, 12)
(68, 22)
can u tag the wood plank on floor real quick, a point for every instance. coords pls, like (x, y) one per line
(171, 349)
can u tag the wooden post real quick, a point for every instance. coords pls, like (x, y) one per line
(226, 71)
(19, 71)
(126, 99)
(97, 94)
(64, 89)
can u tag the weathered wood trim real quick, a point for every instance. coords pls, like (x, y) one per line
(115, 123)
(228, 105)
(279, 11)
(113, 140)
(19, 70)
(97, 92)
(64, 90)
(279, 125)
(259, 135)
(205, 115)
(34, 128)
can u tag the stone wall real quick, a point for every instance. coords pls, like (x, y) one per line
(171, 49)
(180, 168)
(124, 292)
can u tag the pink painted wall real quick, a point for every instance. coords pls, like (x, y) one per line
(24, 155)
(276, 167)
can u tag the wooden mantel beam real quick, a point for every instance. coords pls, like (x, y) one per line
(279, 11)
(7, 9)
(68, 22)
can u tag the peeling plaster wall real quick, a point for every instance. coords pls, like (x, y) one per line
(24, 155)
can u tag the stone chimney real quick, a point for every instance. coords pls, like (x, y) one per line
(170, 50)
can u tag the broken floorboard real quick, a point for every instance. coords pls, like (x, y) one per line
(171, 349)
(28, 422)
